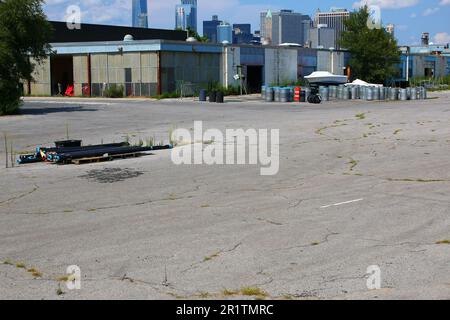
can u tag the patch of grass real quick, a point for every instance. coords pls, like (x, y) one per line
(59, 292)
(176, 296)
(208, 142)
(315, 243)
(204, 295)
(360, 116)
(353, 163)
(209, 258)
(205, 206)
(20, 265)
(8, 263)
(443, 242)
(62, 279)
(229, 293)
(253, 292)
(35, 273)
(397, 131)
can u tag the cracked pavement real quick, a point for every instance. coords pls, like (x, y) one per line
(195, 231)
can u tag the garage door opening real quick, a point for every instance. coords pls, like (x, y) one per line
(61, 74)
(254, 79)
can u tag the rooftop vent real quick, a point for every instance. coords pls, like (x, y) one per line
(128, 37)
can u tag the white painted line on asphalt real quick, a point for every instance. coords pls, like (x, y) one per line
(341, 203)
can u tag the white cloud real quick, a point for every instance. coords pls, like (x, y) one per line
(444, 3)
(388, 4)
(430, 11)
(442, 38)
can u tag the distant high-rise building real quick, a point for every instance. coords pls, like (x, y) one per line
(140, 13)
(285, 26)
(210, 28)
(242, 33)
(334, 19)
(322, 37)
(390, 28)
(224, 33)
(186, 15)
(266, 27)
(425, 39)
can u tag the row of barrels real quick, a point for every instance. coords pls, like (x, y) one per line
(212, 96)
(350, 92)
(342, 92)
(285, 94)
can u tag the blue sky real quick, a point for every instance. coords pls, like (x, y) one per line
(411, 17)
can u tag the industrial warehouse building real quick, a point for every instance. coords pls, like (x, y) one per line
(148, 62)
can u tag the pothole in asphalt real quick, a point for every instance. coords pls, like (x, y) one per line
(111, 175)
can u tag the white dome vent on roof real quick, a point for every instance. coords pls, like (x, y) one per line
(128, 37)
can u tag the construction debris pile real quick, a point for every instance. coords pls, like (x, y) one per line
(69, 152)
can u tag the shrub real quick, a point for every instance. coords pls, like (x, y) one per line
(114, 91)
(10, 98)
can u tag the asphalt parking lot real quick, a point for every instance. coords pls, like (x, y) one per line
(360, 184)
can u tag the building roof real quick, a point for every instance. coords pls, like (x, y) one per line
(96, 32)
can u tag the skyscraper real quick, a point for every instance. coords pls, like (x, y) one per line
(334, 19)
(285, 26)
(210, 29)
(186, 15)
(140, 13)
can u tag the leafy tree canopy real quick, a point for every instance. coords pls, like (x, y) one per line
(24, 34)
(374, 52)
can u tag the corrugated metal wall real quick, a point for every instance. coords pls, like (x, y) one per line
(196, 69)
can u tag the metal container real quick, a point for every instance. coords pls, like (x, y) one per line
(269, 94)
(354, 91)
(369, 93)
(284, 94)
(382, 93)
(423, 93)
(408, 93)
(202, 95)
(376, 93)
(393, 94)
(345, 93)
(276, 94)
(212, 96)
(340, 93)
(307, 93)
(413, 93)
(324, 93)
(263, 92)
(220, 97)
(403, 95)
(332, 92)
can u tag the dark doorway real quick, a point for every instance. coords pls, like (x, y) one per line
(61, 73)
(254, 79)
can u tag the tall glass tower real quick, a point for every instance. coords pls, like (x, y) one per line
(186, 15)
(140, 14)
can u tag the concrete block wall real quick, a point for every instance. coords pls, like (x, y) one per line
(41, 75)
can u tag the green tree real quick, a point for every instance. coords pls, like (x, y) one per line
(374, 52)
(24, 35)
(194, 34)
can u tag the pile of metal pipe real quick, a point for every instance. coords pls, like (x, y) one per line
(63, 155)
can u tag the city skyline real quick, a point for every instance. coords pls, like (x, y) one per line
(410, 17)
